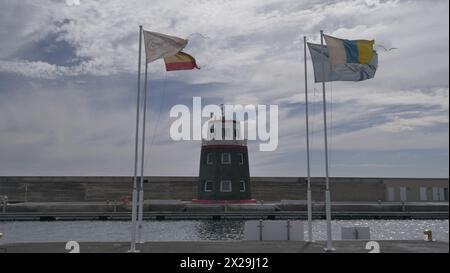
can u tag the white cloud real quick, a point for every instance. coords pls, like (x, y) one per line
(254, 48)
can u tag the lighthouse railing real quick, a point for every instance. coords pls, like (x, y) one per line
(240, 142)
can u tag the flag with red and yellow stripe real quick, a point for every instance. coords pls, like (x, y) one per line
(180, 61)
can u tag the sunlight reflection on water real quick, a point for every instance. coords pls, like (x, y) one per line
(204, 230)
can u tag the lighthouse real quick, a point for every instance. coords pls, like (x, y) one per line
(224, 174)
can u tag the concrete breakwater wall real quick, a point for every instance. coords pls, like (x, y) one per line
(185, 206)
(270, 189)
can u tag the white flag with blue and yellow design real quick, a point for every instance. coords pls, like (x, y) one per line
(353, 72)
(349, 51)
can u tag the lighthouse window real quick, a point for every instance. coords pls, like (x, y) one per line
(208, 186)
(242, 186)
(226, 158)
(241, 159)
(225, 186)
(209, 158)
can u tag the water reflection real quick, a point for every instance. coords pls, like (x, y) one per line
(104, 231)
(220, 230)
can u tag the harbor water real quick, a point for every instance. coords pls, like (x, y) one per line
(106, 231)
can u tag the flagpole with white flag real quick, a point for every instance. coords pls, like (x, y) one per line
(141, 187)
(136, 144)
(310, 236)
(334, 62)
(156, 46)
(327, 182)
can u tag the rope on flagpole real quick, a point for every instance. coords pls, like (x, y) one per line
(330, 126)
(330, 150)
(312, 131)
(155, 127)
(198, 34)
(385, 48)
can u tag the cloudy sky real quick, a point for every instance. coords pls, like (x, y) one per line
(68, 77)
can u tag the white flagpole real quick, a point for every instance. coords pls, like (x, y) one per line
(134, 197)
(141, 187)
(327, 182)
(310, 235)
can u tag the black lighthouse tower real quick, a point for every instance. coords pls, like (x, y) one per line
(224, 170)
